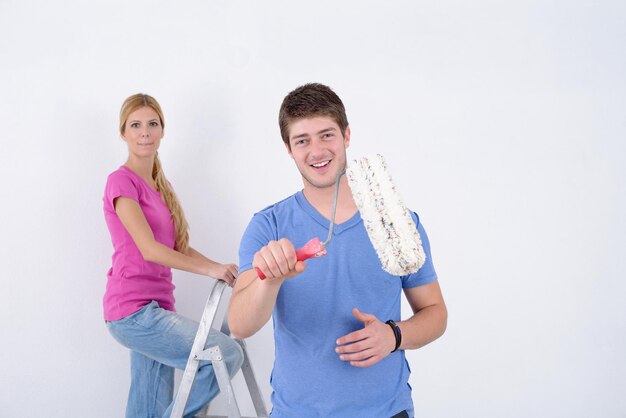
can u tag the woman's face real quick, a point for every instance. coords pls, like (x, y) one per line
(143, 132)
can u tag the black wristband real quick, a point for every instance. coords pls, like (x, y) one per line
(396, 332)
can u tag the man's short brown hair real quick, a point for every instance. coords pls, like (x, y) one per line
(308, 101)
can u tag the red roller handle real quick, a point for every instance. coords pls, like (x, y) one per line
(313, 248)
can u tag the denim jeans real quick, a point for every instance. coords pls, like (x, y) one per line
(160, 341)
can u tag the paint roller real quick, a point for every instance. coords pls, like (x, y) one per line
(387, 220)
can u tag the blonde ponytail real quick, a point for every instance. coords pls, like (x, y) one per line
(180, 223)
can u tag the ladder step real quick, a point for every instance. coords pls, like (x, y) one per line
(211, 354)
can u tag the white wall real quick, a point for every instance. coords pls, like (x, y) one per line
(503, 124)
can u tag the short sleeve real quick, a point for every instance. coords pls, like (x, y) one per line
(259, 232)
(119, 185)
(426, 274)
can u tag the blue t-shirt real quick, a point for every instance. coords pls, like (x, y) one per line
(315, 308)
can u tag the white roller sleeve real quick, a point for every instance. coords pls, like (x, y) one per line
(388, 222)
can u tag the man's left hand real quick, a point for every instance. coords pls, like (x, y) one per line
(368, 345)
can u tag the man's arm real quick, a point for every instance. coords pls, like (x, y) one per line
(251, 303)
(253, 299)
(376, 340)
(430, 316)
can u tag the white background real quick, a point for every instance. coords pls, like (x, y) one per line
(503, 124)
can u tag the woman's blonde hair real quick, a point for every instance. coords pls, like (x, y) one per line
(135, 102)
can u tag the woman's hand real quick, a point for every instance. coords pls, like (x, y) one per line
(225, 272)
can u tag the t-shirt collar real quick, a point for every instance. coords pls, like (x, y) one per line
(320, 219)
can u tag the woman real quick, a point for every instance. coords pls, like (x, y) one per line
(150, 237)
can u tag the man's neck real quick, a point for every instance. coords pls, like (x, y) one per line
(322, 200)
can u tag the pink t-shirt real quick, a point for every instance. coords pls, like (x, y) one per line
(133, 282)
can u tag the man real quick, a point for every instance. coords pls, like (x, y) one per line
(335, 355)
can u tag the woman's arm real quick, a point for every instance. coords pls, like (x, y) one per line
(228, 271)
(135, 222)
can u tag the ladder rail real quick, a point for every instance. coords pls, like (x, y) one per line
(214, 354)
(251, 382)
(206, 323)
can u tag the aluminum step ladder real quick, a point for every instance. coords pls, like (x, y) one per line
(214, 355)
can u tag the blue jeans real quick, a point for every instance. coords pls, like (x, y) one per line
(160, 341)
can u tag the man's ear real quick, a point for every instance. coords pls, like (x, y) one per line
(346, 137)
(288, 149)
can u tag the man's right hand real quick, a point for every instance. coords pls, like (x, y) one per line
(277, 260)
(253, 300)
